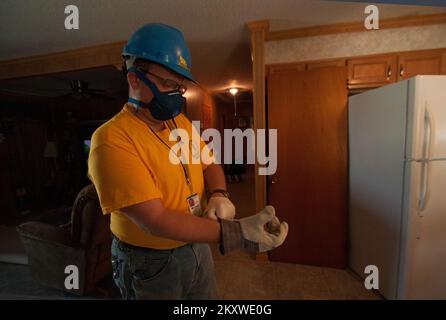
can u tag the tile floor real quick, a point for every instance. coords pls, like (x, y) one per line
(240, 276)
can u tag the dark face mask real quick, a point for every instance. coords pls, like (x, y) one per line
(164, 105)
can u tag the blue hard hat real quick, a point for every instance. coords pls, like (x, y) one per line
(161, 44)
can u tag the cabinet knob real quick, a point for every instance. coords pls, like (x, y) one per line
(389, 72)
(401, 71)
(273, 181)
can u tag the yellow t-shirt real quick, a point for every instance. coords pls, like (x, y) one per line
(128, 164)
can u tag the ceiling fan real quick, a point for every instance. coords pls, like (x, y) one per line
(80, 90)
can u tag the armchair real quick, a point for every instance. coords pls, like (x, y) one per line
(85, 243)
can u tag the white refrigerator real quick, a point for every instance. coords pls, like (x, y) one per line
(397, 186)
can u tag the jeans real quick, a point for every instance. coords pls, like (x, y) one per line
(182, 273)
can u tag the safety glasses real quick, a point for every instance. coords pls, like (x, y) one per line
(170, 84)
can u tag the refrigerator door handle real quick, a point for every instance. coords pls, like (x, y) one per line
(427, 133)
(424, 180)
(423, 187)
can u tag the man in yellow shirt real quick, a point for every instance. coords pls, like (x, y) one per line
(160, 229)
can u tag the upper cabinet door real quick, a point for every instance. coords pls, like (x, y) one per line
(371, 72)
(430, 62)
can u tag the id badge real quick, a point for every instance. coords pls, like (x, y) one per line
(194, 204)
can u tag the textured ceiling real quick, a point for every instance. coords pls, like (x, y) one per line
(215, 29)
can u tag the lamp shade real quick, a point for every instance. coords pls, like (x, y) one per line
(50, 150)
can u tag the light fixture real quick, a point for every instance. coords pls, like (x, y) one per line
(234, 91)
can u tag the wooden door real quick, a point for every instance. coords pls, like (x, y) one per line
(371, 72)
(309, 188)
(423, 62)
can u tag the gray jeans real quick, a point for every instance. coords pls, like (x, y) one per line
(183, 273)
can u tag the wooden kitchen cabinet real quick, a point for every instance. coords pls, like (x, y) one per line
(287, 67)
(429, 62)
(375, 71)
(326, 63)
(293, 67)
(371, 71)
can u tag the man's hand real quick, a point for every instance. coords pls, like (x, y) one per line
(249, 233)
(220, 207)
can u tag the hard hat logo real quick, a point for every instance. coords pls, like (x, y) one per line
(182, 62)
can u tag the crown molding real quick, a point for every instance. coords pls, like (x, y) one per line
(358, 26)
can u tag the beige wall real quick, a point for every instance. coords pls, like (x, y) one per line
(355, 44)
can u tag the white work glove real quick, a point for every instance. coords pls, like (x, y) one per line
(250, 233)
(220, 207)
